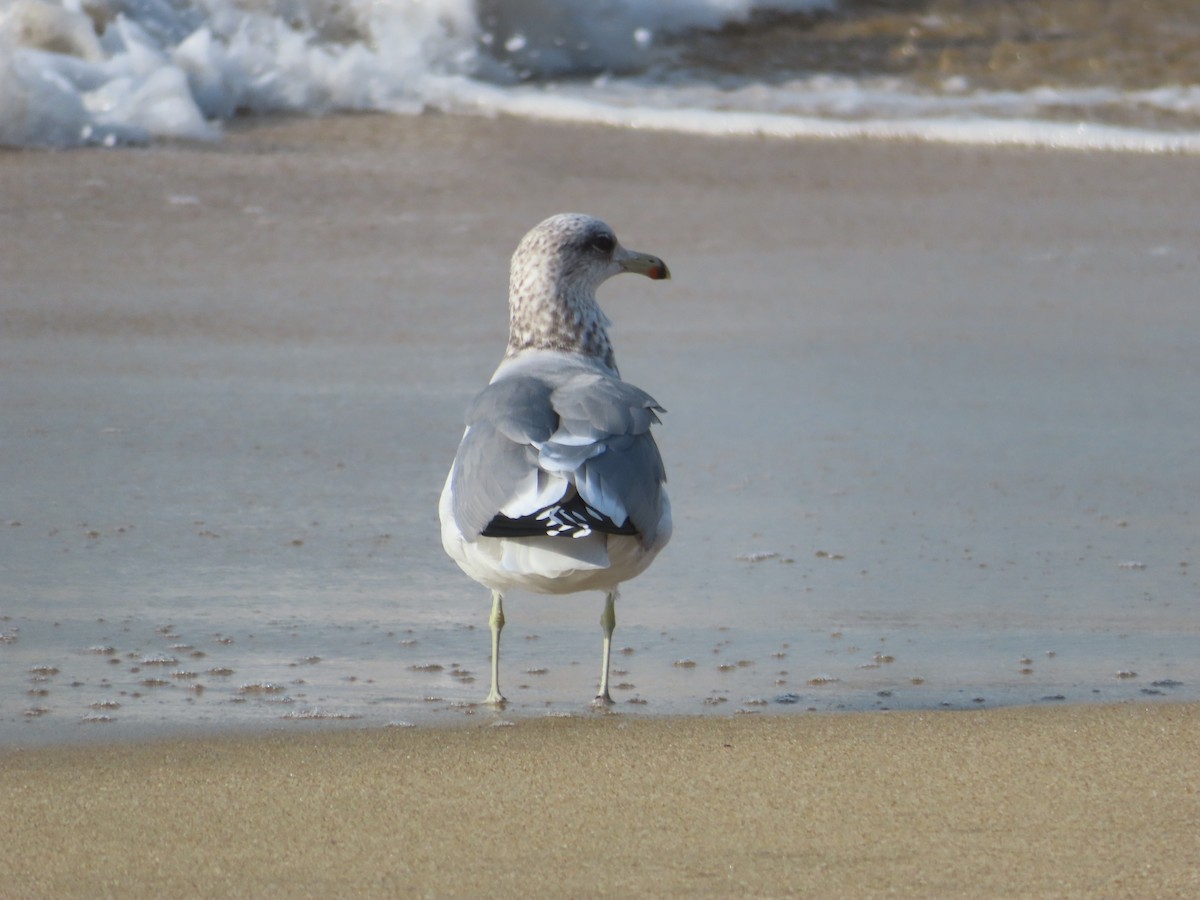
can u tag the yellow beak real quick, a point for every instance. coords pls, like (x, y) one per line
(642, 264)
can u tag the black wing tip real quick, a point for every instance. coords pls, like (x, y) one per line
(571, 519)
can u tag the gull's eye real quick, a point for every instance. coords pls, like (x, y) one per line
(604, 243)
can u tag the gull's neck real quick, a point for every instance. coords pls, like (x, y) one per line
(546, 314)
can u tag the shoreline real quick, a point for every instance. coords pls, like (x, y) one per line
(1068, 802)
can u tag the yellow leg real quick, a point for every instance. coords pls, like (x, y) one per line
(496, 621)
(608, 621)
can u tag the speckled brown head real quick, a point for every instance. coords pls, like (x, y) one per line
(552, 285)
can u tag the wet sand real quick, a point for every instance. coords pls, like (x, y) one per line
(931, 421)
(1074, 802)
(944, 397)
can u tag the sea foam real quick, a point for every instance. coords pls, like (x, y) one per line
(106, 72)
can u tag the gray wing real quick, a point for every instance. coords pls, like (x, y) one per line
(518, 408)
(487, 469)
(531, 439)
(619, 471)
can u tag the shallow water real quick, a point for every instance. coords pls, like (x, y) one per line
(141, 680)
(930, 432)
(212, 537)
(945, 45)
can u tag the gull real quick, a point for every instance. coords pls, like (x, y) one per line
(558, 485)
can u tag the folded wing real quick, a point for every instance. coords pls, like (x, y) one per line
(566, 453)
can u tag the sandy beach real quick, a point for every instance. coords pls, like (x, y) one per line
(1074, 802)
(931, 443)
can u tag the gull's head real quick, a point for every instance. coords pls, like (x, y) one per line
(572, 252)
(552, 284)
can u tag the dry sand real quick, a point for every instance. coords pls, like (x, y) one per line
(1070, 802)
(324, 224)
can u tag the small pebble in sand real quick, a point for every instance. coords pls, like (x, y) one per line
(261, 687)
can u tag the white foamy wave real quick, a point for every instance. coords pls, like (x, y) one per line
(840, 108)
(974, 131)
(132, 70)
(116, 71)
(124, 71)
